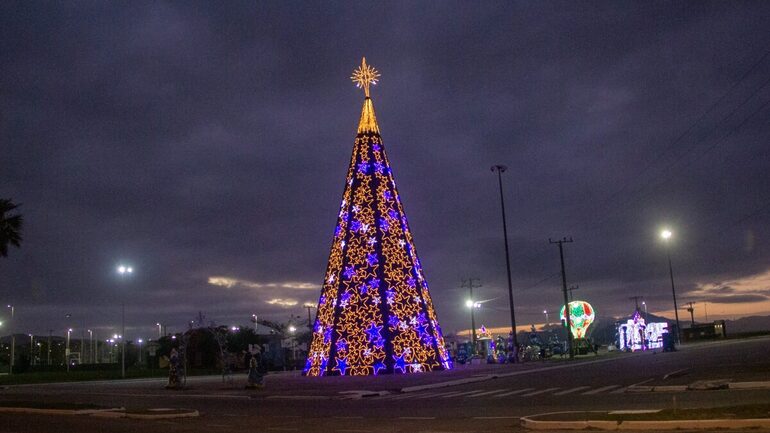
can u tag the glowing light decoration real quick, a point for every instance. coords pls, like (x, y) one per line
(375, 314)
(636, 335)
(581, 315)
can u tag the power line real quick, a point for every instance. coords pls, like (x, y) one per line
(606, 202)
(691, 127)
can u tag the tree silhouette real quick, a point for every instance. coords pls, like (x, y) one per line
(10, 226)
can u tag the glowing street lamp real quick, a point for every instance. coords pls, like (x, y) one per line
(666, 236)
(160, 329)
(140, 341)
(546, 318)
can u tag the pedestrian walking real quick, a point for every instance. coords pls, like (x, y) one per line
(256, 378)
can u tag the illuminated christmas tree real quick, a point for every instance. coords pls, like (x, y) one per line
(375, 314)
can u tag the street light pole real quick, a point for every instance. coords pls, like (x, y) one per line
(123, 270)
(666, 235)
(546, 318)
(13, 339)
(500, 169)
(67, 350)
(123, 340)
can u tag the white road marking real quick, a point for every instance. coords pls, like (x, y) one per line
(496, 417)
(464, 393)
(542, 391)
(642, 382)
(570, 391)
(486, 393)
(399, 397)
(298, 397)
(417, 417)
(619, 390)
(452, 394)
(598, 390)
(435, 394)
(518, 391)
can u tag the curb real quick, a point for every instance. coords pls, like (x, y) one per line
(39, 411)
(118, 412)
(703, 424)
(189, 413)
(749, 385)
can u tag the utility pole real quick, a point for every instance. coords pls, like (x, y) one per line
(636, 302)
(471, 283)
(571, 289)
(48, 358)
(691, 310)
(564, 289)
(309, 320)
(13, 340)
(500, 169)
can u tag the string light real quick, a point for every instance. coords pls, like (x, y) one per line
(375, 314)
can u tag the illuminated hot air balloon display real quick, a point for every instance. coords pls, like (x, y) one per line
(581, 314)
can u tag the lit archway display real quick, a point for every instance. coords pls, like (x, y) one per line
(375, 314)
(581, 315)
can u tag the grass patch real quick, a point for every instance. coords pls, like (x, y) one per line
(750, 411)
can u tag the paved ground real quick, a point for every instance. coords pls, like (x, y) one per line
(295, 403)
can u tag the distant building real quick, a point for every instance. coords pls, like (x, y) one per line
(705, 331)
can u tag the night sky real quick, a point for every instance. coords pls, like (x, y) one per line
(207, 145)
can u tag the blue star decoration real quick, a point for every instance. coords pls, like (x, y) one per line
(379, 365)
(400, 363)
(374, 333)
(342, 365)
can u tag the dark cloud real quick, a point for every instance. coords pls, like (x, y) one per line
(737, 299)
(196, 140)
(723, 289)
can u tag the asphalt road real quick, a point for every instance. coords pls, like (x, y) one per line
(293, 403)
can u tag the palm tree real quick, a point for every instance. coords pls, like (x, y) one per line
(10, 227)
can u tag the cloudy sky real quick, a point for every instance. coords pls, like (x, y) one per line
(206, 145)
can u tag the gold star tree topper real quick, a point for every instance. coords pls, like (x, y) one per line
(364, 76)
